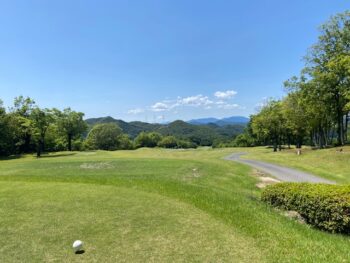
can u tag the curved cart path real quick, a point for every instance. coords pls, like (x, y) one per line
(280, 172)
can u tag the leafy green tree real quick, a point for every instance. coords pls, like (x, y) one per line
(145, 139)
(41, 120)
(268, 125)
(243, 140)
(294, 107)
(154, 137)
(125, 143)
(329, 64)
(20, 123)
(6, 140)
(104, 136)
(2, 109)
(71, 124)
(321, 118)
(23, 106)
(168, 142)
(54, 141)
(185, 144)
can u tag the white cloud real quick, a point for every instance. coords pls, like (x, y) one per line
(198, 100)
(224, 95)
(228, 106)
(220, 101)
(160, 106)
(135, 111)
(194, 101)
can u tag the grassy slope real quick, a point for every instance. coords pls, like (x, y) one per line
(148, 205)
(328, 163)
(115, 224)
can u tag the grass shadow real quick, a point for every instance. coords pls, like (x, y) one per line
(11, 157)
(45, 155)
(57, 155)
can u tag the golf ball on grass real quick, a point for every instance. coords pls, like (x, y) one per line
(77, 245)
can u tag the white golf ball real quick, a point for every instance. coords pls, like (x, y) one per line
(77, 245)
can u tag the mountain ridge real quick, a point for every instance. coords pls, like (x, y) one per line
(202, 134)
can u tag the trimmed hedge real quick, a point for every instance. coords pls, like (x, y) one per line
(324, 206)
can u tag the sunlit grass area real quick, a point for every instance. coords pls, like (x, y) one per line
(332, 163)
(148, 205)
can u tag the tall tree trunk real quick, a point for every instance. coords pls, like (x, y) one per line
(275, 147)
(288, 140)
(321, 144)
(340, 129)
(43, 144)
(346, 127)
(332, 135)
(312, 138)
(299, 141)
(38, 149)
(275, 144)
(325, 136)
(27, 139)
(69, 142)
(340, 120)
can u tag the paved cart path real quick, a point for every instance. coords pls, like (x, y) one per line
(280, 172)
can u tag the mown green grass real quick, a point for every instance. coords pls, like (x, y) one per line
(115, 224)
(329, 163)
(148, 206)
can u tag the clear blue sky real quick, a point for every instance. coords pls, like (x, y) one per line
(155, 60)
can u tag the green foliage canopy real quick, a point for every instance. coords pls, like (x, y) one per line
(104, 137)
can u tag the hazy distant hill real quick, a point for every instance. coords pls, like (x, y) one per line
(202, 134)
(221, 122)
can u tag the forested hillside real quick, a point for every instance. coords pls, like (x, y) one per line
(204, 135)
(130, 128)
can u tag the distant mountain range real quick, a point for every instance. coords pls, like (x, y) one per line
(202, 132)
(221, 122)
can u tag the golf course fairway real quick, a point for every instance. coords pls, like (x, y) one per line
(148, 205)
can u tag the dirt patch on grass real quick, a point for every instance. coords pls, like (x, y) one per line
(96, 166)
(193, 174)
(264, 180)
(294, 215)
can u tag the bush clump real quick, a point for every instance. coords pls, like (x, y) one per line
(324, 206)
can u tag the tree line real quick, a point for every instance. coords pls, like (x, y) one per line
(27, 128)
(316, 109)
(108, 136)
